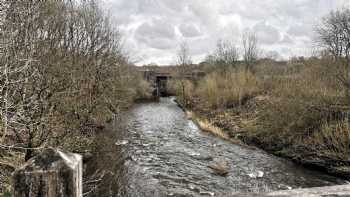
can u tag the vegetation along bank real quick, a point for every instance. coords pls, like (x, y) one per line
(297, 109)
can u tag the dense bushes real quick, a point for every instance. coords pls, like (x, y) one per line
(63, 72)
(333, 139)
(302, 107)
(63, 76)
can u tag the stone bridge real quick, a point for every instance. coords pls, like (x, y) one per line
(159, 76)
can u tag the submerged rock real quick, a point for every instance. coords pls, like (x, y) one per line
(220, 168)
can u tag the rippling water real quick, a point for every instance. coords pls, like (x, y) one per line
(167, 155)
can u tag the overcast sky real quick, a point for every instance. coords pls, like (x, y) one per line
(153, 29)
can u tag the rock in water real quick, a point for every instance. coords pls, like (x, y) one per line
(220, 168)
(120, 143)
(258, 174)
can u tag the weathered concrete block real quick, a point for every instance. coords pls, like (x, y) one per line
(51, 174)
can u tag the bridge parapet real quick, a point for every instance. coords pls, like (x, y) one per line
(53, 173)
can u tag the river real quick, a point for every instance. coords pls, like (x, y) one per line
(168, 155)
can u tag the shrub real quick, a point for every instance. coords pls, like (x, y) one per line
(143, 90)
(334, 139)
(299, 105)
(228, 89)
(175, 87)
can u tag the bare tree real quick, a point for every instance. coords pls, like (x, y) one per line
(271, 55)
(226, 54)
(61, 71)
(334, 33)
(334, 38)
(183, 56)
(250, 49)
(63, 75)
(21, 101)
(183, 61)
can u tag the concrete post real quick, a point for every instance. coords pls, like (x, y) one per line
(50, 174)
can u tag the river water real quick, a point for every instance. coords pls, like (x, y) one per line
(168, 155)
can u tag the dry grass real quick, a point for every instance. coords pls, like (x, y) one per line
(175, 87)
(306, 109)
(334, 139)
(207, 126)
(228, 89)
(298, 112)
(291, 108)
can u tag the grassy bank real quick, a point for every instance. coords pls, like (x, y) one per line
(295, 110)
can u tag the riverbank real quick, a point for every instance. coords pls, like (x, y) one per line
(240, 126)
(205, 125)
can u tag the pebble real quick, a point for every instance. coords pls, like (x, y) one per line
(122, 142)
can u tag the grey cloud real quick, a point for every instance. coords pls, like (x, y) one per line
(266, 33)
(155, 36)
(156, 29)
(205, 13)
(178, 5)
(287, 39)
(189, 30)
(256, 10)
(153, 28)
(300, 30)
(160, 43)
(201, 46)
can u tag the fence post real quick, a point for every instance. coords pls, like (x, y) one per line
(53, 173)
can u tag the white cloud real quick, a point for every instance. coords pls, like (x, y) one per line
(153, 29)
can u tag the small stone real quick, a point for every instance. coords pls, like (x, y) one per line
(258, 174)
(122, 142)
